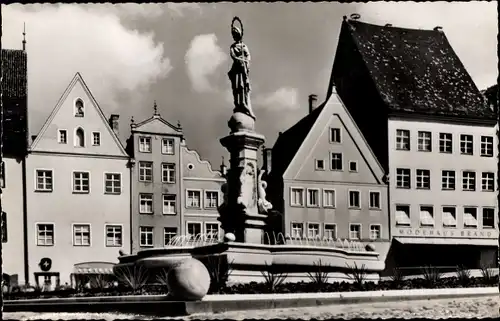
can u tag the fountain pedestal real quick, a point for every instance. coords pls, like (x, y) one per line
(240, 213)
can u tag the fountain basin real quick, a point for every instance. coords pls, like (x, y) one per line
(248, 261)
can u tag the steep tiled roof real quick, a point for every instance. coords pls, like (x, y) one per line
(491, 96)
(417, 71)
(289, 142)
(14, 99)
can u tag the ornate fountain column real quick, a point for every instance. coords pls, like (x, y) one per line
(239, 214)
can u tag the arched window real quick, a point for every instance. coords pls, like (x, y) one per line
(80, 138)
(79, 108)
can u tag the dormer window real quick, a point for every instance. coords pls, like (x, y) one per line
(79, 108)
(79, 138)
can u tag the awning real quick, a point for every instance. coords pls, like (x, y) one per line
(447, 241)
(449, 219)
(402, 218)
(469, 219)
(426, 218)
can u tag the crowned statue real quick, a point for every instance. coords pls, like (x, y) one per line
(239, 73)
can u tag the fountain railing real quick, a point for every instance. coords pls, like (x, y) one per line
(203, 239)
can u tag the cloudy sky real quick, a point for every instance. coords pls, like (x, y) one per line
(131, 54)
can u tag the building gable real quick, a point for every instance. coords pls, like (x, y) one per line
(63, 118)
(157, 125)
(195, 167)
(352, 146)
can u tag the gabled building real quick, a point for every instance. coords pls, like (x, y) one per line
(433, 133)
(15, 141)
(326, 181)
(174, 192)
(78, 192)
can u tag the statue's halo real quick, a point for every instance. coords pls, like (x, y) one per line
(236, 19)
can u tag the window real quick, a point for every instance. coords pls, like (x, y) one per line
(403, 178)
(488, 218)
(445, 143)
(354, 199)
(375, 200)
(43, 180)
(81, 182)
(335, 135)
(487, 146)
(488, 181)
(145, 144)
(212, 231)
(194, 229)
(402, 139)
(375, 232)
(114, 235)
(169, 233)
(81, 235)
(79, 108)
(193, 199)
(146, 203)
(424, 141)
(448, 180)
(112, 183)
(297, 230)
(403, 215)
(466, 144)
(79, 138)
(469, 181)
(312, 197)
(146, 236)
(96, 139)
(355, 231)
(4, 227)
(211, 199)
(62, 138)
(336, 162)
(449, 216)
(353, 166)
(423, 179)
(168, 173)
(313, 230)
(470, 217)
(297, 196)
(145, 171)
(328, 198)
(2, 174)
(426, 216)
(167, 146)
(169, 204)
(45, 234)
(320, 164)
(330, 231)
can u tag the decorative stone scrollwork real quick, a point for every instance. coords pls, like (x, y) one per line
(263, 204)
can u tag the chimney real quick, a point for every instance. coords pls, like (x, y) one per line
(312, 102)
(267, 160)
(223, 168)
(113, 122)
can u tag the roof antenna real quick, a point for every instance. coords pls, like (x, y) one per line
(355, 16)
(155, 108)
(24, 36)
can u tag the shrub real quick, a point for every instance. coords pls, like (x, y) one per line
(319, 277)
(397, 277)
(133, 277)
(357, 275)
(487, 274)
(463, 275)
(431, 275)
(220, 270)
(272, 279)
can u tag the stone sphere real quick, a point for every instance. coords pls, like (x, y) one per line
(188, 280)
(229, 237)
(241, 122)
(370, 247)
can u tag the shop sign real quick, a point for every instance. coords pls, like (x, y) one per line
(445, 233)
